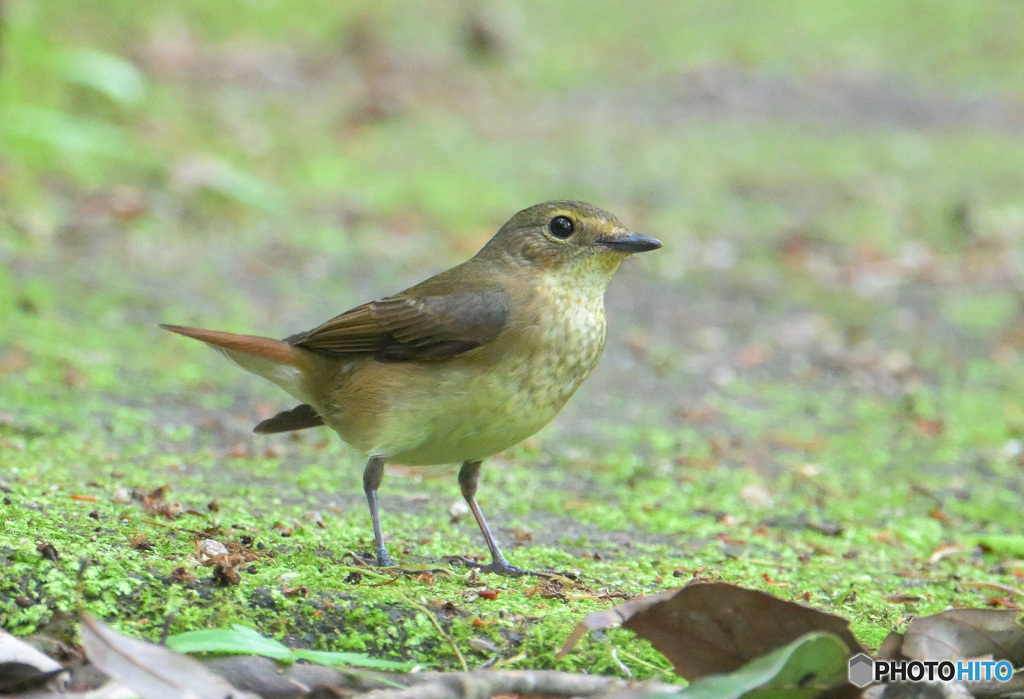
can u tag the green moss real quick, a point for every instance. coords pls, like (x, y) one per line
(879, 457)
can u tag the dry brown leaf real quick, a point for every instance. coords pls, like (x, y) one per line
(615, 616)
(711, 628)
(890, 648)
(966, 633)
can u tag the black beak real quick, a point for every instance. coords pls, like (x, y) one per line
(629, 242)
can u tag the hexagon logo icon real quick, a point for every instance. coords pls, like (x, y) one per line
(862, 670)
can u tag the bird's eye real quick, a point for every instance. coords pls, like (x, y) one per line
(561, 227)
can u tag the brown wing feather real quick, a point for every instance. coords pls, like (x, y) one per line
(401, 328)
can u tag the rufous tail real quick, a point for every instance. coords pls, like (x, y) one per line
(275, 360)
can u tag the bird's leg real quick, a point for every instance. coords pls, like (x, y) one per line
(371, 481)
(469, 478)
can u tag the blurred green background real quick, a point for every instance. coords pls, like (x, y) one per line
(816, 381)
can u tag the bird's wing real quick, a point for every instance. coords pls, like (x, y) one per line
(411, 327)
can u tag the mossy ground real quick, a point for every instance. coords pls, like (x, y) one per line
(815, 388)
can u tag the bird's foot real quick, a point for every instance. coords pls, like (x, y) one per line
(497, 567)
(381, 560)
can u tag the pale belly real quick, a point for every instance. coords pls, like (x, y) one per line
(479, 416)
(472, 406)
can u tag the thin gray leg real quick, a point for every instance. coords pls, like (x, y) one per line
(371, 481)
(469, 479)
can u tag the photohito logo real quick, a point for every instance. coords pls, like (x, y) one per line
(864, 670)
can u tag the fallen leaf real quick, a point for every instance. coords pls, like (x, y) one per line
(774, 583)
(153, 502)
(945, 551)
(182, 575)
(47, 551)
(805, 668)
(966, 633)
(890, 648)
(897, 598)
(608, 618)
(241, 639)
(152, 671)
(23, 667)
(237, 639)
(482, 645)
(226, 574)
(714, 627)
(522, 535)
(139, 542)
(1002, 601)
(710, 628)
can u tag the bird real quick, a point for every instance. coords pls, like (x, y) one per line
(461, 366)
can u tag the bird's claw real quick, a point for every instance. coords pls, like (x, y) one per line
(496, 567)
(381, 560)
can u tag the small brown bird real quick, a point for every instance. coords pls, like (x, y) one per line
(461, 366)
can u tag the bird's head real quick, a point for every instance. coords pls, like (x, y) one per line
(568, 237)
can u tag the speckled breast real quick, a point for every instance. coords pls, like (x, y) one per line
(567, 349)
